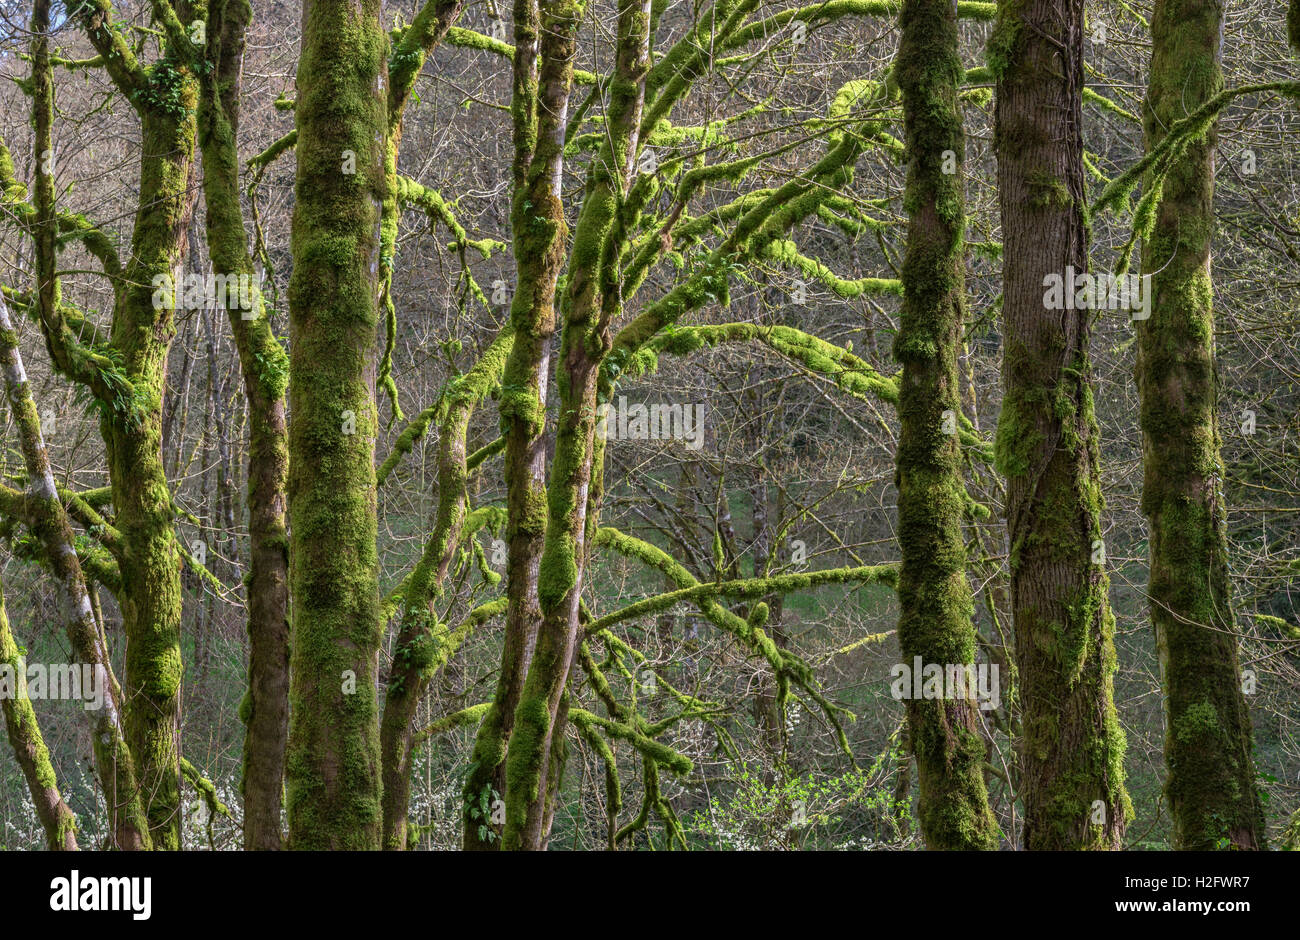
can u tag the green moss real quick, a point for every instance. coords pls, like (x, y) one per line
(1018, 439)
(1047, 192)
(333, 765)
(1001, 49)
(29, 748)
(1210, 786)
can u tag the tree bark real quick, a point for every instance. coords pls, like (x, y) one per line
(263, 364)
(1211, 787)
(935, 620)
(332, 762)
(538, 109)
(1072, 747)
(536, 755)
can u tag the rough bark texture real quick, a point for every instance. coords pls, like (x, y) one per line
(1211, 788)
(1072, 747)
(333, 766)
(935, 621)
(150, 595)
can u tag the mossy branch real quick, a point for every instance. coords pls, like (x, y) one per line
(1181, 133)
(661, 754)
(465, 390)
(750, 588)
(471, 39)
(205, 789)
(786, 665)
(411, 48)
(465, 718)
(119, 61)
(268, 156)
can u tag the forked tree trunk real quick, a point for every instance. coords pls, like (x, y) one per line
(536, 755)
(538, 249)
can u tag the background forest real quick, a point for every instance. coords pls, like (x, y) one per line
(702, 207)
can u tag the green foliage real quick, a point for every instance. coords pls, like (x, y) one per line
(857, 809)
(166, 90)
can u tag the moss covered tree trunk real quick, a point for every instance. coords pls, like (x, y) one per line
(535, 761)
(539, 230)
(164, 97)
(1211, 789)
(42, 513)
(1071, 747)
(264, 366)
(423, 642)
(112, 743)
(150, 594)
(332, 764)
(935, 622)
(29, 748)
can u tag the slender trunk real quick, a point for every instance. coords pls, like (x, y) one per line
(47, 520)
(538, 256)
(935, 621)
(332, 761)
(1213, 799)
(535, 758)
(1072, 747)
(33, 757)
(420, 648)
(262, 362)
(417, 641)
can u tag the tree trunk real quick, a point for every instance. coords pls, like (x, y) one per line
(332, 762)
(1072, 747)
(535, 758)
(420, 648)
(112, 741)
(33, 757)
(151, 589)
(263, 364)
(1213, 799)
(935, 621)
(538, 225)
